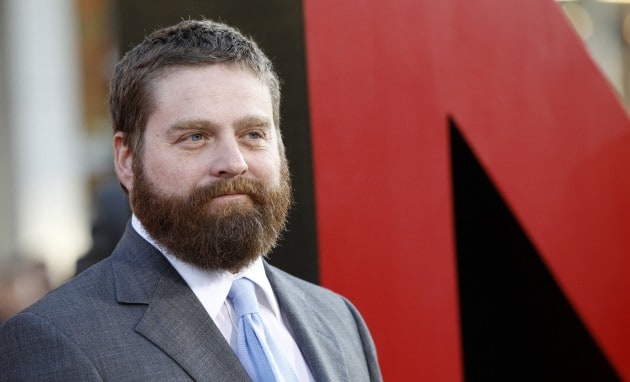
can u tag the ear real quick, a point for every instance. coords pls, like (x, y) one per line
(123, 161)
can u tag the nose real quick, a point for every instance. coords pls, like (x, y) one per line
(228, 160)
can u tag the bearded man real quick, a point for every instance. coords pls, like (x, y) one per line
(186, 294)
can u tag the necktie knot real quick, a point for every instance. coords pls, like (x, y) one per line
(243, 297)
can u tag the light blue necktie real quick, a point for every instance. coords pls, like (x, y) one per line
(256, 349)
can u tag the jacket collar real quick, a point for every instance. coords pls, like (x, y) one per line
(174, 320)
(316, 340)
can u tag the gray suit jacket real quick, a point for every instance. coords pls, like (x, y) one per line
(131, 317)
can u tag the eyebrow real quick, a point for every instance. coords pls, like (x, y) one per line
(191, 124)
(204, 124)
(254, 120)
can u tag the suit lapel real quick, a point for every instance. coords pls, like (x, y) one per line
(175, 321)
(316, 341)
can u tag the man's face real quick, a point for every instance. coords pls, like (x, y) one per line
(210, 184)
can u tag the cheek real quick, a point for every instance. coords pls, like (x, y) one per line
(169, 175)
(273, 172)
(265, 168)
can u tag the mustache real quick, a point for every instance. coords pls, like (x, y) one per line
(204, 194)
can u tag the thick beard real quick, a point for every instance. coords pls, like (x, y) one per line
(228, 239)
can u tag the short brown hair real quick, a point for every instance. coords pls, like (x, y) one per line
(188, 43)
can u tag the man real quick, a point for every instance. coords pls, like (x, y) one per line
(197, 146)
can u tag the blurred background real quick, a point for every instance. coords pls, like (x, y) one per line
(58, 191)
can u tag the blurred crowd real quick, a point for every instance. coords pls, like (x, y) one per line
(24, 281)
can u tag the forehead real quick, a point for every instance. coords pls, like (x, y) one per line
(215, 78)
(199, 91)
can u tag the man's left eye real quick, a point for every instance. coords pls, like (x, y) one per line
(196, 137)
(254, 135)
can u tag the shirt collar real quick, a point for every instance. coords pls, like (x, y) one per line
(212, 286)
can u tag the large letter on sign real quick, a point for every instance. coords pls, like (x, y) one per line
(397, 90)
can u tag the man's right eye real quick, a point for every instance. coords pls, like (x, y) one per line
(196, 137)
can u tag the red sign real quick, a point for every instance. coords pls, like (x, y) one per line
(384, 77)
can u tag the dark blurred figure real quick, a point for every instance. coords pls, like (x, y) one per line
(110, 217)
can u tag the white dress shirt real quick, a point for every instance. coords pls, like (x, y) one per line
(212, 287)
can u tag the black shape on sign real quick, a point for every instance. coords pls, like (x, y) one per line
(517, 325)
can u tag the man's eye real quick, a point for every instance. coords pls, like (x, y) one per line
(254, 135)
(196, 137)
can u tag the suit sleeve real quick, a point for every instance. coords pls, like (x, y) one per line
(369, 349)
(32, 349)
